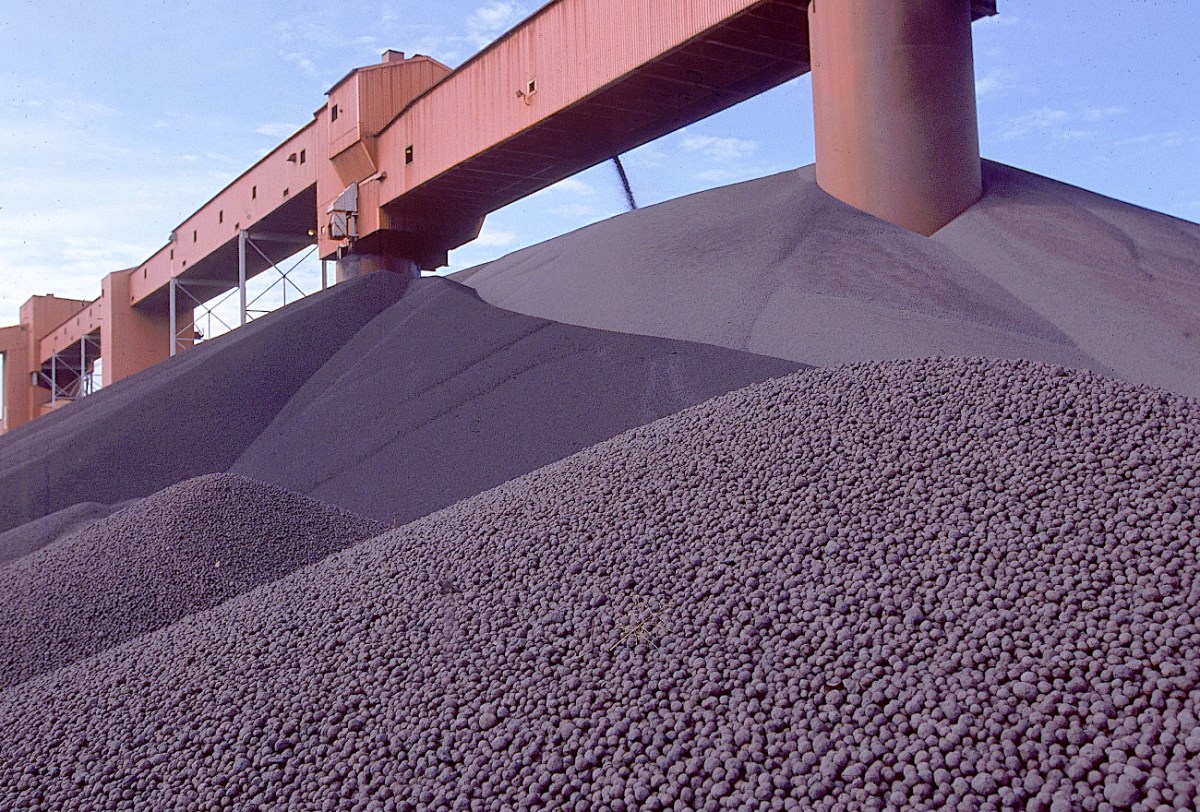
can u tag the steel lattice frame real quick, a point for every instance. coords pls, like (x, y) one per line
(180, 337)
(81, 382)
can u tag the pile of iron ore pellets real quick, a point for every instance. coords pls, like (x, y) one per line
(937, 584)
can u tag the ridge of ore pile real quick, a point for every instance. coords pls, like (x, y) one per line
(184, 549)
(935, 584)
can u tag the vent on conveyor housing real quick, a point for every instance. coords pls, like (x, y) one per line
(343, 215)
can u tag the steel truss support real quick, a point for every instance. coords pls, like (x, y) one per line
(250, 239)
(180, 338)
(80, 381)
(188, 293)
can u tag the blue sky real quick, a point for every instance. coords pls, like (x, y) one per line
(118, 119)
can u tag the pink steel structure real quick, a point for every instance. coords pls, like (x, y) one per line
(405, 158)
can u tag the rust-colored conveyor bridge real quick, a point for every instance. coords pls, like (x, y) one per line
(406, 157)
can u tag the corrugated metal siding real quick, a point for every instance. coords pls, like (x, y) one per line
(12, 338)
(570, 49)
(353, 164)
(383, 91)
(347, 129)
(387, 89)
(86, 322)
(242, 204)
(368, 207)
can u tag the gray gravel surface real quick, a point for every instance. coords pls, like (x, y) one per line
(25, 538)
(190, 415)
(443, 396)
(1122, 281)
(181, 550)
(1036, 270)
(937, 584)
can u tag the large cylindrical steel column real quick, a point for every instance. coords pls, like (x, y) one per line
(894, 107)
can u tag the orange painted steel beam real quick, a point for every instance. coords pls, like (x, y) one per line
(894, 108)
(131, 338)
(12, 338)
(530, 110)
(84, 321)
(277, 194)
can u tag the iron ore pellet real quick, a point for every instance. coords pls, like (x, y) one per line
(184, 549)
(937, 584)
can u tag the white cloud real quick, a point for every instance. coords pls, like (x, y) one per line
(1103, 113)
(1060, 124)
(1173, 138)
(491, 20)
(483, 25)
(996, 80)
(571, 187)
(276, 129)
(495, 237)
(573, 210)
(719, 149)
(302, 62)
(1138, 140)
(451, 41)
(575, 186)
(650, 156)
(491, 16)
(312, 46)
(1044, 120)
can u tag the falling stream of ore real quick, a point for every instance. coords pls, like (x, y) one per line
(620, 167)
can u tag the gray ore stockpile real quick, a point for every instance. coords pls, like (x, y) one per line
(190, 415)
(935, 584)
(443, 396)
(386, 398)
(183, 549)
(1035, 270)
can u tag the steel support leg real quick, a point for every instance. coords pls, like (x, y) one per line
(54, 378)
(324, 274)
(894, 108)
(242, 275)
(82, 366)
(174, 328)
